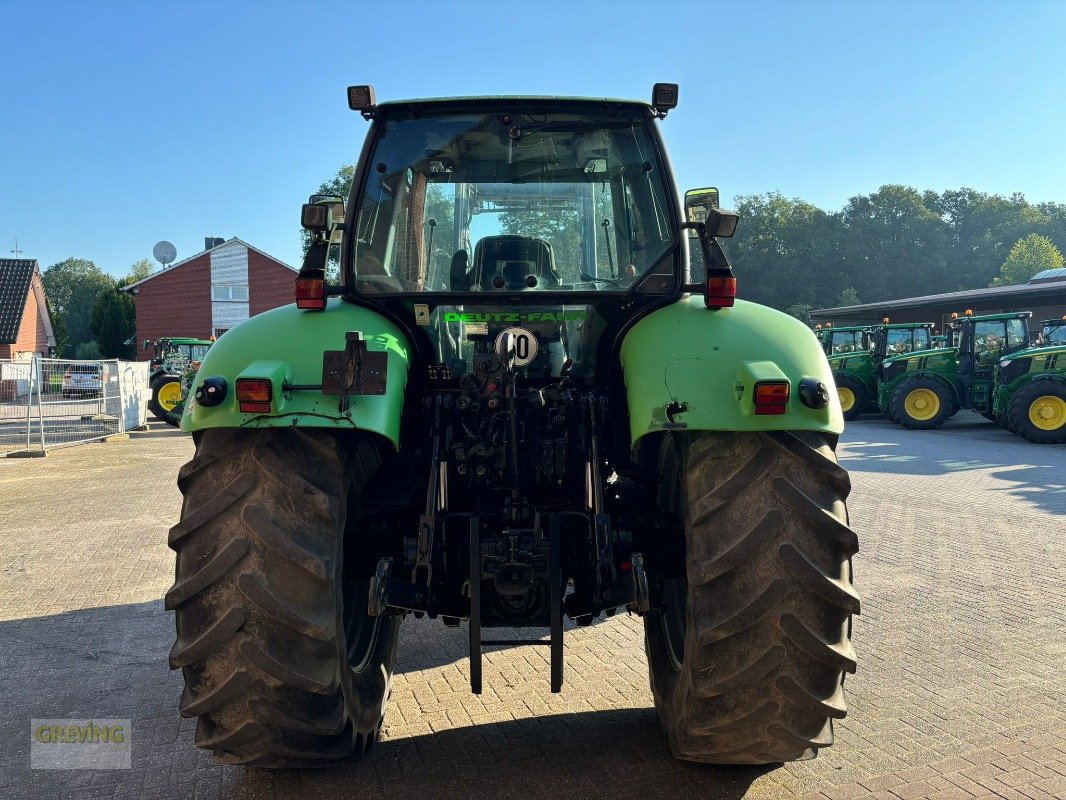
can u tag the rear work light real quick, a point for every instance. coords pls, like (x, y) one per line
(311, 293)
(253, 395)
(721, 292)
(771, 397)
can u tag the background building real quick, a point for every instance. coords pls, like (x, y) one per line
(25, 324)
(208, 294)
(1044, 295)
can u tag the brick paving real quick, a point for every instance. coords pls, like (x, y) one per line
(959, 694)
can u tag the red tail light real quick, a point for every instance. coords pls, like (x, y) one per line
(721, 292)
(254, 395)
(311, 293)
(771, 397)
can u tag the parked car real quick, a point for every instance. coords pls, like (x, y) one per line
(84, 380)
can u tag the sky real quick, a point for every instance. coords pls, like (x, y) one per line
(122, 124)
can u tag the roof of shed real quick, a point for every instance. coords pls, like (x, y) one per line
(16, 275)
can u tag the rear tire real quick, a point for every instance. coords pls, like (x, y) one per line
(164, 385)
(1037, 412)
(921, 404)
(282, 664)
(747, 653)
(852, 397)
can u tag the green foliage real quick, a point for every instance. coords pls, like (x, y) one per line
(138, 272)
(893, 243)
(87, 351)
(72, 287)
(1030, 255)
(113, 323)
(801, 311)
(848, 297)
(59, 330)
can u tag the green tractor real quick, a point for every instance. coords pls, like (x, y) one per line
(856, 353)
(174, 363)
(921, 390)
(1030, 393)
(517, 407)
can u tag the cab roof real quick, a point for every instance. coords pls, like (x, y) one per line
(993, 317)
(509, 98)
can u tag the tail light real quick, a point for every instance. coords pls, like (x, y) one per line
(311, 293)
(771, 397)
(721, 292)
(254, 395)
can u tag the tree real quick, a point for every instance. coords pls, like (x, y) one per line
(894, 242)
(113, 323)
(785, 251)
(72, 287)
(87, 351)
(848, 297)
(801, 311)
(1030, 255)
(138, 272)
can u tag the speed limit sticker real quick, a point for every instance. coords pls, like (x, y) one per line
(524, 343)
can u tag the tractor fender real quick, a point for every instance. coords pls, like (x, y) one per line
(690, 368)
(286, 347)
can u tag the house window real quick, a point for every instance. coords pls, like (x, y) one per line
(237, 293)
(220, 331)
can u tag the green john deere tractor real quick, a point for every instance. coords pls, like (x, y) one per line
(1030, 393)
(518, 406)
(174, 362)
(855, 356)
(921, 390)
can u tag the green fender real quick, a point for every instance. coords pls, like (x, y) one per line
(285, 346)
(709, 361)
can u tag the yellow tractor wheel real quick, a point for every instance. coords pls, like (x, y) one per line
(169, 394)
(921, 403)
(165, 403)
(1037, 412)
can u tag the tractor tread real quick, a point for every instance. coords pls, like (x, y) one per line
(261, 641)
(832, 706)
(706, 506)
(829, 524)
(218, 633)
(738, 552)
(710, 684)
(234, 491)
(259, 594)
(224, 559)
(300, 553)
(837, 592)
(230, 688)
(769, 598)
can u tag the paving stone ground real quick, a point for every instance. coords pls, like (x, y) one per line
(962, 643)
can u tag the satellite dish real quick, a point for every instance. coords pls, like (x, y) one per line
(164, 252)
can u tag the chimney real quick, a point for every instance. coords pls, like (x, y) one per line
(212, 241)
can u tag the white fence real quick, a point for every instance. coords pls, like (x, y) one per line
(47, 403)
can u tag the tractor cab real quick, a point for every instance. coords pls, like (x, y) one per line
(1052, 332)
(172, 354)
(846, 340)
(901, 338)
(980, 343)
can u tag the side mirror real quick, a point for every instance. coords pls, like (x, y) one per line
(324, 214)
(699, 202)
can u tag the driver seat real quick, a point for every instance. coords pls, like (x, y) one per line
(513, 258)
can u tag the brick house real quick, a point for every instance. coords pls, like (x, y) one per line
(25, 324)
(209, 293)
